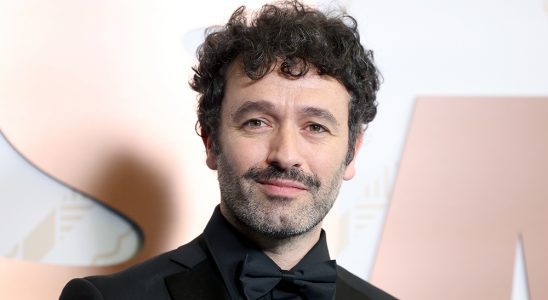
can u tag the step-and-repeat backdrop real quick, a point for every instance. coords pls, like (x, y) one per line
(100, 166)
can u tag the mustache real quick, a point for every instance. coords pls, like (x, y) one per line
(294, 174)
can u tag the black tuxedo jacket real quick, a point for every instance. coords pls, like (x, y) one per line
(188, 273)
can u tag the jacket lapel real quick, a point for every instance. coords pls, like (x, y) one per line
(200, 282)
(344, 291)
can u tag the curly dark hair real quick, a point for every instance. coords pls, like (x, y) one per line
(297, 37)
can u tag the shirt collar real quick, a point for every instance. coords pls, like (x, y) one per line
(228, 249)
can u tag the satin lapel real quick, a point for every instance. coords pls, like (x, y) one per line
(344, 291)
(200, 282)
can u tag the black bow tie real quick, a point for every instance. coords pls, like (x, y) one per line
(260, 275)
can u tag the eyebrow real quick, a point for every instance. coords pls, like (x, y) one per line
(265, 106)
(319, 113)
(252, 106)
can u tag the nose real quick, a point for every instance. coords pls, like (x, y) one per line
(284, 152)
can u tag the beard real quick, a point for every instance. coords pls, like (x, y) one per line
(274, 216)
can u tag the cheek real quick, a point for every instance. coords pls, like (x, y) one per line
(327, 156)
(243, 153)
(328, 164)
(325, 166)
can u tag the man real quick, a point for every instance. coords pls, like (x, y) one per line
(284, 99)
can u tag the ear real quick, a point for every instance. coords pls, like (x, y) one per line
(211, 157)
(350, 170)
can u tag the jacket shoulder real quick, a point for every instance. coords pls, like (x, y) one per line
(350, 286)
(145, 280)
(80, 288)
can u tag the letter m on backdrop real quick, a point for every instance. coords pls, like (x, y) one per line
(472, 179)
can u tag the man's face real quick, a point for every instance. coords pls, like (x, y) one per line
(283, 144)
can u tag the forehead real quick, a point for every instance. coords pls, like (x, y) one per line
(311, 90)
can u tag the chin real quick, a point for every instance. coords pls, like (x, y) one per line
(282, 227)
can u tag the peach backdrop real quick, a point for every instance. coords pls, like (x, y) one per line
(95, 96)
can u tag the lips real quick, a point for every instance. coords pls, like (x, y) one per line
(282, 187)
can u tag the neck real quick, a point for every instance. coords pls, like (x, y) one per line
(286, 252)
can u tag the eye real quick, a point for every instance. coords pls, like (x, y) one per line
(316, 128)
(254, 123)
